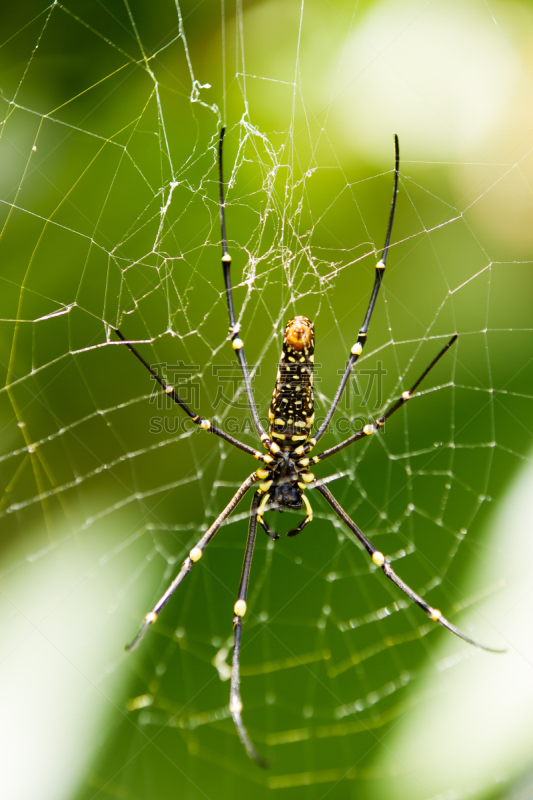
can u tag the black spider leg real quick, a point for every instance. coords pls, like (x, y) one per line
(372, 427)
(194, 555)
(234, 328)
(379, 559)
(295, 531)
(301, 526)
(204, 423)
(305, 521)
(357, 349)
(264, 506)
(272, 534)
(235, 703)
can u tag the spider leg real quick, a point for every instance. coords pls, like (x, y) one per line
(305, 521)
(205, 424)
(234, 327)
(270, 533)
(263, 507)
(235, 703)
(372, 427)
(357, 349)
(379, 559)
(194, 555)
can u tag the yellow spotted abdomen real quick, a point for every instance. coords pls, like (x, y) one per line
(292, 408)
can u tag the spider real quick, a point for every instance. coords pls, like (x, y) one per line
(284, 476)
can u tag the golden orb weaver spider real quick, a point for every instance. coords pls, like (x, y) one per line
(284, 475)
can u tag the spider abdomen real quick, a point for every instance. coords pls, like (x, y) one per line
(292, 408)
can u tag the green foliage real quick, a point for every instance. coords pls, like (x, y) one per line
(110, 218)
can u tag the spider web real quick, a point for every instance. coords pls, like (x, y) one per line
(110, 218)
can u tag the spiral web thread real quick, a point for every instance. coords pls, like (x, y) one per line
(159, 283)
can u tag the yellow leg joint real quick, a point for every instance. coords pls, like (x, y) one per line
(240, 608)
(262, 505)
(308, 508)
(195, 554)
(235, 705)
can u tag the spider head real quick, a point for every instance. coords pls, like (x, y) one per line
(287, 495)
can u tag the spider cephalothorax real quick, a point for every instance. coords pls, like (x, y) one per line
(283, 487)
(287, 494)
(282, 479)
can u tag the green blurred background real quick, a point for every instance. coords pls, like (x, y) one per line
(109, 217)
